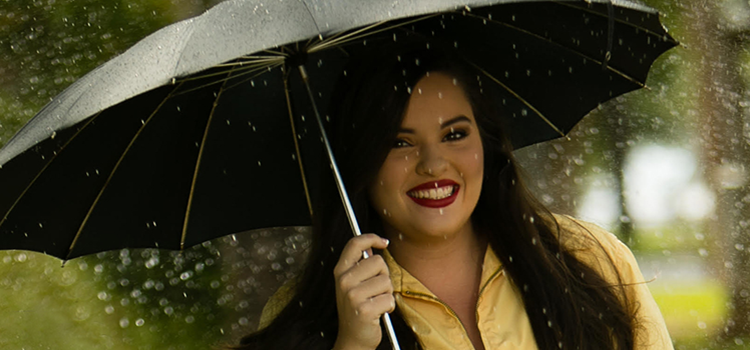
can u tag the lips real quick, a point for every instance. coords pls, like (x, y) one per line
(435, 194)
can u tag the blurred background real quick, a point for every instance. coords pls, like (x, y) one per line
(664, 168)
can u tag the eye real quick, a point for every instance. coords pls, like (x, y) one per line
(401, 143)
(455, 135)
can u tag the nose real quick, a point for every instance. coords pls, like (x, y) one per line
(431, 162)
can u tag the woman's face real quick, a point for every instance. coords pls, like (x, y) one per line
(429, 184)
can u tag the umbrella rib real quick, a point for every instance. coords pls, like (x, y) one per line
(39, 174)
(296, 147)
(252, 77)
(563, 3)
(340, 39)
(244, 65)
(114, 170)
(517, 96)
(594, 60)
(198, 164)
(250, 71)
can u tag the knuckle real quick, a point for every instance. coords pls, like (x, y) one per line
(378, 259)
(345, 280)
(352, 295)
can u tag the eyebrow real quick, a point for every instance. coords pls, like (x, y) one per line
(457, 119)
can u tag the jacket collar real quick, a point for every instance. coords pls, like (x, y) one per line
(403, 281)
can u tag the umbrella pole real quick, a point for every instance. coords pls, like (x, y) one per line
(344, 196)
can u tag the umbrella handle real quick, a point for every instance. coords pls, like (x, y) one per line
(344, 196)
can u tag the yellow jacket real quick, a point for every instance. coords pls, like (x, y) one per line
(501, 316)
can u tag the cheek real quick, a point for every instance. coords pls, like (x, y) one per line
(386, 184)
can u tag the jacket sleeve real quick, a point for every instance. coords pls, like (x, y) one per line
(651, 331)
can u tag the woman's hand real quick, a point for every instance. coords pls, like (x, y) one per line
(363, 293)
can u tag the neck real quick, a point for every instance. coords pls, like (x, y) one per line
(453, 260)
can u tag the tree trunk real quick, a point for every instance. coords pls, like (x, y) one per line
(726, 156)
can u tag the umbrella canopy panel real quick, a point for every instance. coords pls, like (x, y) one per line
(216, 152)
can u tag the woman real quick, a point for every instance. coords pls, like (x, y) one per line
(468, 258)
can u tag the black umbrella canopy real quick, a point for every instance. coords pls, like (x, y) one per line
(202, 130)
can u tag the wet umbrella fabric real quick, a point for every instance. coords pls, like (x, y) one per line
(202, 130)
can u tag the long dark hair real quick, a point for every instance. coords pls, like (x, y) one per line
(569, 304)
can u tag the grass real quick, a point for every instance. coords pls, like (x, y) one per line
(691, 311)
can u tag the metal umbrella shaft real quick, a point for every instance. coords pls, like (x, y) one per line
(344, 195)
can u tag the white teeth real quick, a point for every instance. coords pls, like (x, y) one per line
(433, 193)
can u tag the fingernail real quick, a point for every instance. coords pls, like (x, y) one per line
(386, 241)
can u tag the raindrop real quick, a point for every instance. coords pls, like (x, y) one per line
(440, 95)
(54, 133)
(441, 211)
(124, 322)
(400, 236)
(139, 322)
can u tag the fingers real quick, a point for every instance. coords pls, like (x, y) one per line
(352, 252)
(363, 293)
(362, 271)
(372, 308)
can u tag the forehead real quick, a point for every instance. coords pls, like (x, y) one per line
(435, 98)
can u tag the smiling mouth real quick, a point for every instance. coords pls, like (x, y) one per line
(433, 193)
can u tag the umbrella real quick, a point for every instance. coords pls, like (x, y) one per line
(199, 129)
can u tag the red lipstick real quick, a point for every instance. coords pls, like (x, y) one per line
(423, 195)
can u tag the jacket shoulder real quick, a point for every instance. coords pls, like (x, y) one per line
(276, 303)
